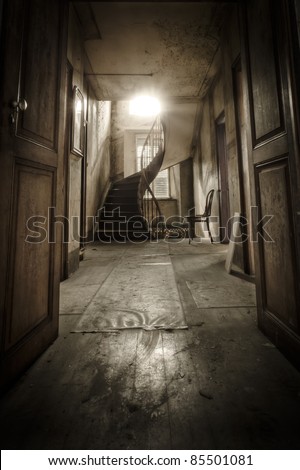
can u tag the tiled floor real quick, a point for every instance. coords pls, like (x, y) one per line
(219, 384)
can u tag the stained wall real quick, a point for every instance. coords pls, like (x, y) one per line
(97, 153)
(218, 100)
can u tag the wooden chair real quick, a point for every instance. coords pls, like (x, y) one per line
(192, 219)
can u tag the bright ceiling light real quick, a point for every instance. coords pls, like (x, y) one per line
(144, 106)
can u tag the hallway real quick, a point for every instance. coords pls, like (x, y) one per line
(211, 380)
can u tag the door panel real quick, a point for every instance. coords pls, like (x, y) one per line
(277, 254)
(276, 167)
(29, 298)
(31, 153)
(39, 71)
(267, 115)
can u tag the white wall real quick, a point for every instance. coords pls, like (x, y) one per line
(180, 123)
(98, 156)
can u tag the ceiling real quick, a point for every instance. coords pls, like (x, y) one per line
(162, 48)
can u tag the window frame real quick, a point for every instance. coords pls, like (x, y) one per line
(138, 136)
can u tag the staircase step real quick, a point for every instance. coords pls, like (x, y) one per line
(123, 193)
(115, 199)
(119, 212)
(121, 206)
(120, 218)
(122, 236)
(118, 225)
(128, 185)
(128, 190)
(130, 179)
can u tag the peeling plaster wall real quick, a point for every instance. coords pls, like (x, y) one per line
(98, 156)
(97, 152)
(169, 209)
(180, 121)
(205, 161)
(186, 187)
(181, 191)
(175, 182)
(152, 47)
(218, 99)
(231, 52)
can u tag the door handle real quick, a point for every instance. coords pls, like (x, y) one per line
(17, 106)
(20, 105)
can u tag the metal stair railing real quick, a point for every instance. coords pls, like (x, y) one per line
(152, 156)
(151, 211)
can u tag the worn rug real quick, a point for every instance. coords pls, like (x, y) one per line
(137, 294)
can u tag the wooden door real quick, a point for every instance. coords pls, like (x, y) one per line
(31, 153)
(274, 108)
(223, 179)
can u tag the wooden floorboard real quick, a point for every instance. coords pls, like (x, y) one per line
(220, 384)
(187, 408)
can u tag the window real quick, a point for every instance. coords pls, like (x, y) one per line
(140, 140)
(160, 186)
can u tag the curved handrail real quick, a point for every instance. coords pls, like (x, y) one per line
(151, 210)
(155, 140)
(148, 188)
(153, 154)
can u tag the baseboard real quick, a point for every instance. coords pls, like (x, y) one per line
(73, 261)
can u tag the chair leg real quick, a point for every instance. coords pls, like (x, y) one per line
(191, 230)
(207, 223)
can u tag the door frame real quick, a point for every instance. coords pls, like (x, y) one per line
(222, 161)
(83, 189)
(243, 167)
(66, 172)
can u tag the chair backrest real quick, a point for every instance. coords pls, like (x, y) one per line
(208, 203)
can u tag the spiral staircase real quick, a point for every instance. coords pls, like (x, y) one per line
(131, 211)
